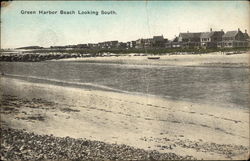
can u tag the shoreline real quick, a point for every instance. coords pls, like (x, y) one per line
(91, 86)
(61, 56)
(138, 121)
(204, 60)
(208, 60)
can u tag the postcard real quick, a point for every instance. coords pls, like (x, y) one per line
(124, 80)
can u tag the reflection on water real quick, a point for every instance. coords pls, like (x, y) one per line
(196, 84)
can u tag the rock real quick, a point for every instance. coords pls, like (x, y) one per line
(21, 145)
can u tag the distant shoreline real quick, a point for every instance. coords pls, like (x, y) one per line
(44, 54)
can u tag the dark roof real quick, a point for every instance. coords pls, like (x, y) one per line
(190, 35)
(246, 36)
(175, 39)
(230, 34)
(207, 34)
(115, 41)
(158, 38)
(210, 34)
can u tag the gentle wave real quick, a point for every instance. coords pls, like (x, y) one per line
(123, 64)
(93, 85)
(64, 82)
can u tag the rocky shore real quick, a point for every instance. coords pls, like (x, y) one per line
(36, 57)
(20, 145)
(55, 55)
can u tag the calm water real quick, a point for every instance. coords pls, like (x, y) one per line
(196, 84)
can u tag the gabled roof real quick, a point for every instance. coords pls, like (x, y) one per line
(210, 34)
(158, 38)
(207, 34)
(246, 36)
(190, 35)
(230, 34)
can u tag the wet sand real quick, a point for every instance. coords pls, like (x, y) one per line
(147, 122)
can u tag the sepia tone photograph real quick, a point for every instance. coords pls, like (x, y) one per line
(124, 80)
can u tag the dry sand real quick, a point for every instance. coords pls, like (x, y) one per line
(215, 59)
(147, 122)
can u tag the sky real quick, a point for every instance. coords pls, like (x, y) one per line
(133, 20)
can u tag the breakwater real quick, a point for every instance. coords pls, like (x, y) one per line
(36, 57)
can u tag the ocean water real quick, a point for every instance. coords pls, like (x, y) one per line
(211, 85)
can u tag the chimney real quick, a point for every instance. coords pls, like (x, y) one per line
(245, 31)
(187, 31)
(211, 29)
(238, 29)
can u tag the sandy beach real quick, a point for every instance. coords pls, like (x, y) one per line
(145, 122)
(216, 59)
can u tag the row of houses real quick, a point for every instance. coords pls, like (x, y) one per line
(101, 45)
(211, 39)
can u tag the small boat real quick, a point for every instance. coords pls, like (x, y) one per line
(153, 57)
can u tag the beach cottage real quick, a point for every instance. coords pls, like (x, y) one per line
(211, 39)
(189, 40)
(235, 39)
